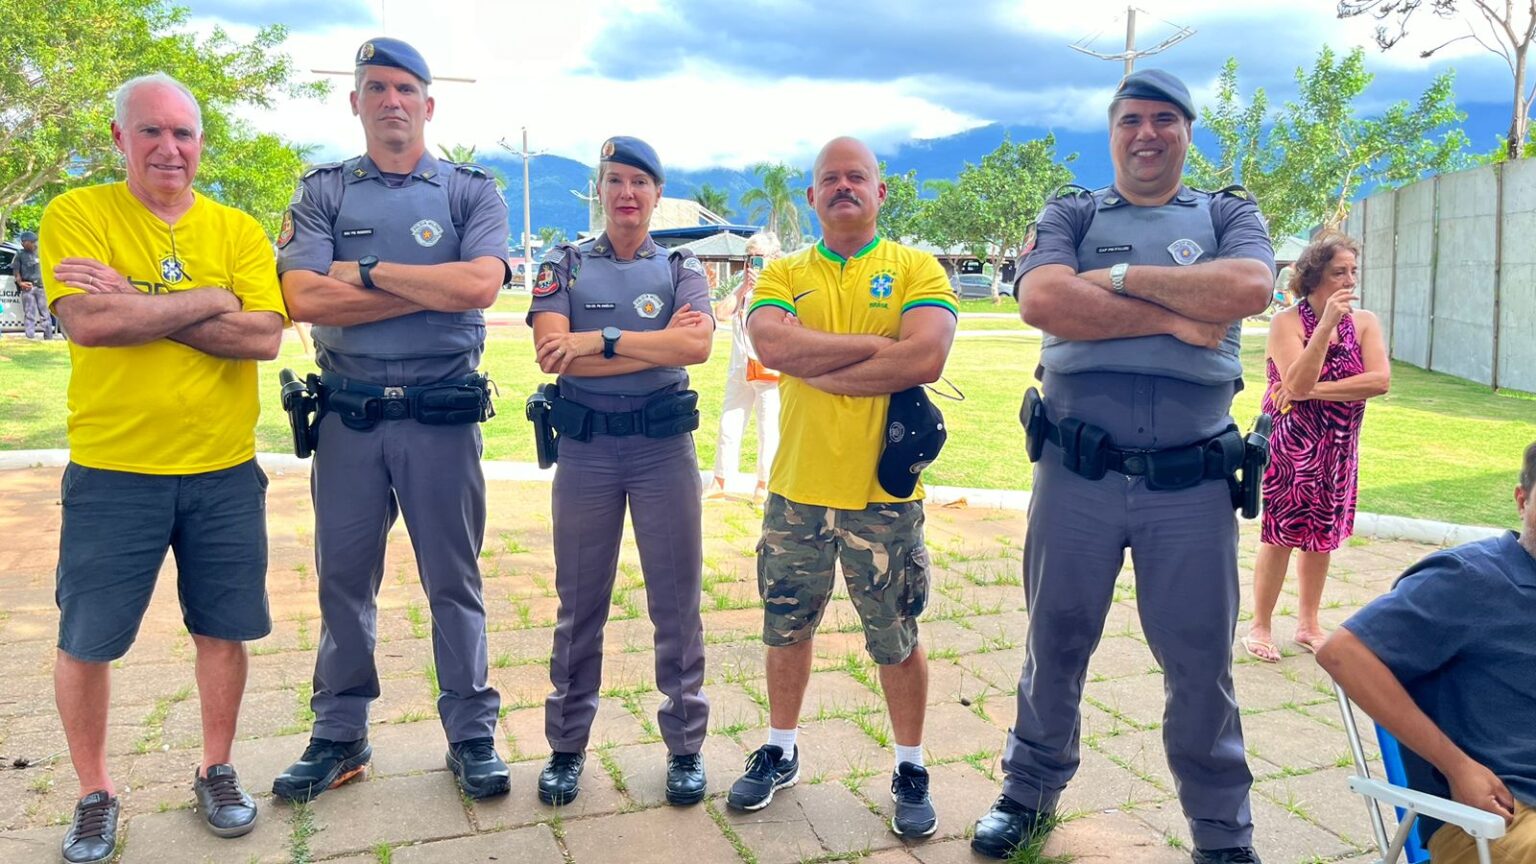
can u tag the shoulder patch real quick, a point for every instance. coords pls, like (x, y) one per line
(545, 283)
(555, 255)
(694, 264)
(324, 166)
(471, 169)
(1236, 191)
(1070, 190)
(285, 234)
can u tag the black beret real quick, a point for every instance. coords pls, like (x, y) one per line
(384, 51)
(632, 152)
(1158, 86)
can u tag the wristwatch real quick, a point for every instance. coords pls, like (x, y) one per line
(365, 270)
(610, 340)
(1117, 277)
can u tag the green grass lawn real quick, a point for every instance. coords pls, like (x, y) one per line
(1437, 447)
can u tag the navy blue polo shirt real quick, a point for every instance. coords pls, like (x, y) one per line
(1459, 631)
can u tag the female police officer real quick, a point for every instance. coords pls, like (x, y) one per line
(618, 320)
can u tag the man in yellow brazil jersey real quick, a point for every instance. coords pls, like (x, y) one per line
(169, 299)
(848, 322)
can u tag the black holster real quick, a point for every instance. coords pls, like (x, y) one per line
(1246, 489)
(537, 409)
(1032, 418)
(301, 399)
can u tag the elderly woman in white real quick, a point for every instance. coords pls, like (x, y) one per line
(749, 386)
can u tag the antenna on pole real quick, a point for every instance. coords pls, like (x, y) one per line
(1130, 53)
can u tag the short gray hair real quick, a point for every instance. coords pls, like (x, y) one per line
(156, 78)
(764, 243)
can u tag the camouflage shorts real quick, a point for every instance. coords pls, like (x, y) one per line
(884, 564)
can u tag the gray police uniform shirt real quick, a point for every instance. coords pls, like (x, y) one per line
(593, 289)
(28, 267)
(441, 212)
(1097, 230)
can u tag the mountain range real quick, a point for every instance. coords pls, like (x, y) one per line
(555, 180)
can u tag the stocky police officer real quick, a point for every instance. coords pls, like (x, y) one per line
(1141, 288)
(392, 255)
(618, 317)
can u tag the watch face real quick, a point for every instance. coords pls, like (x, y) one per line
(611, 333)
(368, 260)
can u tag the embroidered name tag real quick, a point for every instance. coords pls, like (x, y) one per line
(357, 232)
(599, 306)
(1104, 250)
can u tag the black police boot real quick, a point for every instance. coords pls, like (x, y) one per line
(227, 810)
(480, 772)
(559, 782)
(1007, 826)
(92, 835)
(1230, 855)
(325, 765)
(685, 779)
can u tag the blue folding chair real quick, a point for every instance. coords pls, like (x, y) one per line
(1405, 843)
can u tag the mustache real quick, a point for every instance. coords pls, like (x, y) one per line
(847, 196)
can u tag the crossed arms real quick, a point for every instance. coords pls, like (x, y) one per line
(338, 298)
(855, 364)
(113, 313)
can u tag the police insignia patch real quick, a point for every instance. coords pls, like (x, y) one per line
(695, 265)
(544, 284)
(285, 234)
(881, 284)
(427, 232)
(1185, 251)
(648, 305)
(171, 270)
(608, 148)
(365, 53)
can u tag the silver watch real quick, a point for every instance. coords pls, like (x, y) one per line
(1117, 277)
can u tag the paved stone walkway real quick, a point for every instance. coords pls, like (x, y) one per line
(408, 810)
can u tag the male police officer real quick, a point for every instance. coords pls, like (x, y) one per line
(1141, 288)
(28, 272)
(392, 255)
(618, 321)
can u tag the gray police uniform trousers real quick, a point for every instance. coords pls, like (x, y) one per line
(658, 478)
(1184, 550)
(361, 481)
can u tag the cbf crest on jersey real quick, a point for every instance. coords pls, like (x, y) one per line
(881, 284)
(171, 271)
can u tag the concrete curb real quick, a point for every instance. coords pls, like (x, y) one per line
(1376, 525)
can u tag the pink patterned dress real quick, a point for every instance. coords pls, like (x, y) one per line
(1310, 485)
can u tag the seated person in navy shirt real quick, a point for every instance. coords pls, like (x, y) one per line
(1446, 661)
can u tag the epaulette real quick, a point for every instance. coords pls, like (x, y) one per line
(681, 252)
(689, 260)
(471, 169)
(1235, 190)
(1070, 190)
(324, 166)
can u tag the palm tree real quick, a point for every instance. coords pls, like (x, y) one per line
(466, 153)
(716, 201)
(775, 201)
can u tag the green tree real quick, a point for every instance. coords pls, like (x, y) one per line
(550, 237)
(1306, 167)
(64, 59)
(1506, 29)
(992, 206)
(716, 201)
(775, 201)
(466, 153)
(901, 218)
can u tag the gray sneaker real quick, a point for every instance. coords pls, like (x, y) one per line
(914, 809)
(227, 810)
(92, 835)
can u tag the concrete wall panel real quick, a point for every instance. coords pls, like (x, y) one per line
(1464, 263)
(1414, 267)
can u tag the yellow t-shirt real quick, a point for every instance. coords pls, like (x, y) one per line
(160, 407)
(829, 445)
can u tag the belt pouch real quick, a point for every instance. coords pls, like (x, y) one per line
(571, 419)
(1179, 468)
(357, 411)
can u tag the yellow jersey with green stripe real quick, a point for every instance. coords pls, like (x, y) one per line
(829, 444)
(161, 407)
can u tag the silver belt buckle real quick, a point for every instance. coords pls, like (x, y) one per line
(394, 392)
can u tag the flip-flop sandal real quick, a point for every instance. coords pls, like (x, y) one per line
(1250, 645)
(1312, 646)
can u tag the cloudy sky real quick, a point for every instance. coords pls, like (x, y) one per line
(711, 82)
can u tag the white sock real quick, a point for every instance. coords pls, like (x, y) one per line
(913, 754)
(784, 739)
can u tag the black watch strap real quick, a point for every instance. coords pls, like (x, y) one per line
(365, 270)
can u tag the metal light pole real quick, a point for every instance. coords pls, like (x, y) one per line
(527, 222)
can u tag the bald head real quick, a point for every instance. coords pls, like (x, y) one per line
(846, 148)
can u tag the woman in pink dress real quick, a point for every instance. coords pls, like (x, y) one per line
(1325, 358)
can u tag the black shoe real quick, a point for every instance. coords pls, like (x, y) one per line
(1007, 826)
(480, 772)
(767, 772)
(325, 765)
(560, 781)
(685, 779)
(92, 836)
(226, 808)
(1231, 855)
(914, 809)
